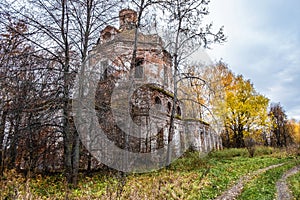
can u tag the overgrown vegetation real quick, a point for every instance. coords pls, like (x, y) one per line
(294, 185)
(193, 176)
(263, 187)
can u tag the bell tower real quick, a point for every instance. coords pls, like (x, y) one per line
(128, 19)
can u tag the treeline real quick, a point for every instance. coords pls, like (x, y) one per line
(43, 44)
(237, 111)
(34, 104)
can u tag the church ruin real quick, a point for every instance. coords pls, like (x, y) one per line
(134, 97)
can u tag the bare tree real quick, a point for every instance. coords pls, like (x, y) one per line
(65, 31)
(27, 88)
(186, 34)
(280, 131)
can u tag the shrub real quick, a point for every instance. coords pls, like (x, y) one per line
(250, 145)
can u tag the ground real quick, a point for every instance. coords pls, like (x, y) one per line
(226, 174)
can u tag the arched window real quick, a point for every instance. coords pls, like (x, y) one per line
(107, 36)
(178, 111)
(169, 107)
(139, 70)
(157, 101)
(104, 65)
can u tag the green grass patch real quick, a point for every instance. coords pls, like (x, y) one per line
(194, 177)
(294, 185)
(264, 185)
(225, 173)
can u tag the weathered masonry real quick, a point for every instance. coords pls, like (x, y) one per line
(134, 97)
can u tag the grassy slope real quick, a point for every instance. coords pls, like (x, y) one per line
(294, 185)
(190, 177)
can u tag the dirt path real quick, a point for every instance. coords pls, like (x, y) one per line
(236, 190)
(283, 191)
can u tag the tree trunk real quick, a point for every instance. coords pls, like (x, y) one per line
(14, 142)
(2, 131)
(75, 159)
(278, 141)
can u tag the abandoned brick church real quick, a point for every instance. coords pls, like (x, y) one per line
(147, 90)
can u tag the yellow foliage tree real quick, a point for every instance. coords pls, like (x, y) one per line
(244, 111)
(295, 130)
(234, 106)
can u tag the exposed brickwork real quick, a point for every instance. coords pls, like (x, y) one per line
(149, 104)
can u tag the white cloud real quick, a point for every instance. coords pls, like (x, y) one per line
(263, 45)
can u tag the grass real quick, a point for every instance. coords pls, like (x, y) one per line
(294, 185)
(190, 177)
(264, 185)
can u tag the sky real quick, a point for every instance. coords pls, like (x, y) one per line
(263, 44)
